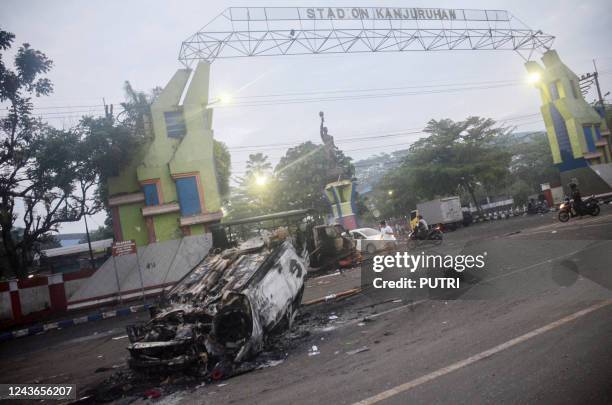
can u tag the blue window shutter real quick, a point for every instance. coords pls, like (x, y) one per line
(568, 162)
(554, 92)
(151, 196)
(598, 132)
(588, 136)
(189, 199)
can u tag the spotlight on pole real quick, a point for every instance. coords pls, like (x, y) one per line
(533, 78)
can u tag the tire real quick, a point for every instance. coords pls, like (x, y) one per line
(436, 237)
(564, 216)
(596, 210)
(370, 248)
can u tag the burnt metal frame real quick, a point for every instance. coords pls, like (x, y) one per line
(230, 36)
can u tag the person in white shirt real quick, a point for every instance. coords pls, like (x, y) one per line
(386, 231)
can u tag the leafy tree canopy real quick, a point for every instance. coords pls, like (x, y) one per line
(473, 158)
(458, 154)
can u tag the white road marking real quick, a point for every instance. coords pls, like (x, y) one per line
(480, 356)
(388, 311)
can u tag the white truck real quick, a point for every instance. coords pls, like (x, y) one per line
(445, 211)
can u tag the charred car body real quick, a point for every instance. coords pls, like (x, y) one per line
(221, 312)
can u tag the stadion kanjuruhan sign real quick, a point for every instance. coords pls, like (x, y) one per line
(400, 13)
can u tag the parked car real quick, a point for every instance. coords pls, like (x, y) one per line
(369, 240)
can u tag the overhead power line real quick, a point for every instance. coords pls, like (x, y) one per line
(422, 86)
(356, 97)
(376, 136)
(375, 147)
(70, 109)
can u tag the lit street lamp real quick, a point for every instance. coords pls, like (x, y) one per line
(261, 180)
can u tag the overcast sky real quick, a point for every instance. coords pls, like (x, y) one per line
(96, 45)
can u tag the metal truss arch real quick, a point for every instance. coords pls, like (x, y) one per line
(272, 31)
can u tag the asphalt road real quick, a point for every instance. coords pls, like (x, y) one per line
(534, 328)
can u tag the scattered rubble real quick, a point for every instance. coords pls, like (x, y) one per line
(314, 350)
(359, 350)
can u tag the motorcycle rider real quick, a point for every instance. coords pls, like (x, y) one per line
(531, 206)
(577, 199)
(422, 228)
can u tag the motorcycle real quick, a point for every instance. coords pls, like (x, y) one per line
(589, 207)
(539, 207)
(434, 234)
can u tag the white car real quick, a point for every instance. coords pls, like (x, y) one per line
(369, 240)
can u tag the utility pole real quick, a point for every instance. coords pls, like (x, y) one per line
(108, 113)
(91, 258)
(596, 75)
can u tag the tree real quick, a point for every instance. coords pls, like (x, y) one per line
(223, 166)
(303, 173)
(136, 114)
(298, 181)
(532, 161)
(255, 192)
(395, 194)
(458, 154)
(103, 232)
(45, 175)
(109, 143)
(112, 140)
(50, 176)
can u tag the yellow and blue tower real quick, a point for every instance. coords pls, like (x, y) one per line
(578, 136)
(342, 196)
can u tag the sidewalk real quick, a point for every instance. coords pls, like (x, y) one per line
(76, 319)
(330, 285)
(322, 288)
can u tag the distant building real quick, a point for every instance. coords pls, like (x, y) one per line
(74, 257)
(70, 239)
(170, 188)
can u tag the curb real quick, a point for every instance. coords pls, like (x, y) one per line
(43, 328)
(65, 323)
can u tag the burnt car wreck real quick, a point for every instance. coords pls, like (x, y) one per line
(221, 313)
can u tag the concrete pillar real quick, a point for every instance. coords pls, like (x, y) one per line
(57, 292)
(15, 301)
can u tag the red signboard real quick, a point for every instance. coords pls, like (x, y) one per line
(124, 247)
